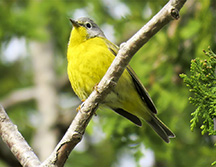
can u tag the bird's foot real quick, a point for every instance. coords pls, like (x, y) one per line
(80, 106)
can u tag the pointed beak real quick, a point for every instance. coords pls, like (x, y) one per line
(74, 23)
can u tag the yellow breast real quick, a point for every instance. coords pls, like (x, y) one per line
(87, 64)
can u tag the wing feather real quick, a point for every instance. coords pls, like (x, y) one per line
(138, 85)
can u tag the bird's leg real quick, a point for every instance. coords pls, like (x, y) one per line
(96, 88)
(80, 106)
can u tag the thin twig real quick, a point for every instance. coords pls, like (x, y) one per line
(18, 96)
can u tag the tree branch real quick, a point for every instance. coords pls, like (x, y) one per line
(27, 94)
(15, 141)
(76, 130)
(18, 96)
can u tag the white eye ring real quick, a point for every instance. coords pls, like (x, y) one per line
(88, 25)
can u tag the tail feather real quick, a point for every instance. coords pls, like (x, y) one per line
(155, 123)
(160, 128)
(129, 116)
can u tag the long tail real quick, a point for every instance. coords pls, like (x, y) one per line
(160, 128)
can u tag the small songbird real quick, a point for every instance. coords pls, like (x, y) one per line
(89, 56)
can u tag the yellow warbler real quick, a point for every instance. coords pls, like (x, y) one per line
(89, 56)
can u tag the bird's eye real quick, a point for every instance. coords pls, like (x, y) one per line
(88, 25)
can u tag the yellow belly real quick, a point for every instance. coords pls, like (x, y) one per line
(87, 64)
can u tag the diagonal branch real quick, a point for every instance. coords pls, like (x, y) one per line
(76, 130)
(15, 141)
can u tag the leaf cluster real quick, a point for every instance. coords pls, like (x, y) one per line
(202, 85)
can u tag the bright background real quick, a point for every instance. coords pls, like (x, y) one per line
(35, 91)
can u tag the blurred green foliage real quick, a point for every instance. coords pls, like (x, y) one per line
(158, 64)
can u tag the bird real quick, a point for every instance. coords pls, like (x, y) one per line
(89, 56)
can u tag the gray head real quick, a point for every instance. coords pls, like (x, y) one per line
(92, 28)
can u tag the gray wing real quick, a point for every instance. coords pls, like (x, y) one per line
(139, 86)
